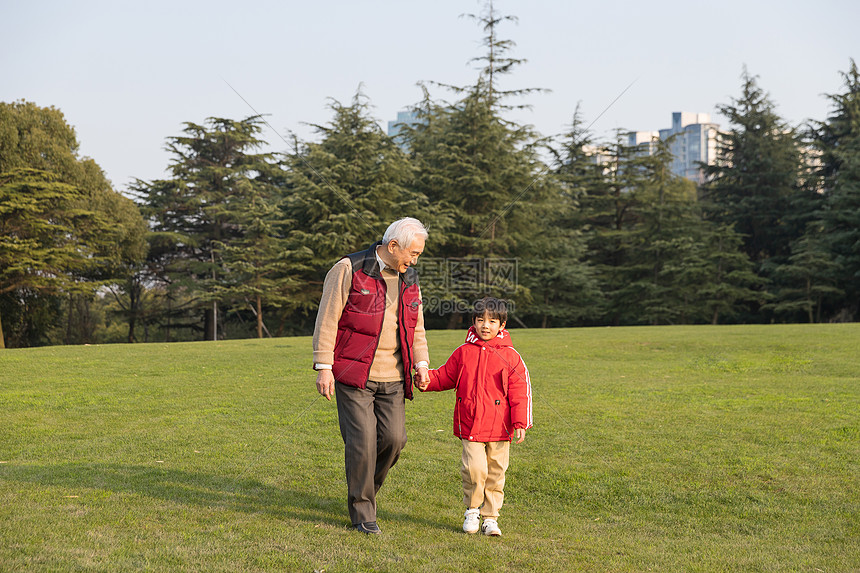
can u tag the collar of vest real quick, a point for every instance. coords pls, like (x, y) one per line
(366, 261)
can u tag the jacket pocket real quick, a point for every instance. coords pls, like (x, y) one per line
(365, 300)
(357, 346)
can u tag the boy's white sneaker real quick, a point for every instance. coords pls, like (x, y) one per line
(491, 527)
(470, 524)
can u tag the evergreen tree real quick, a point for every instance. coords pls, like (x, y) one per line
(484, 173)
(718, 276)
(341, 193)
(755, 174)
(570, 290)
(479, 170)
(257, 262)
(215, 167)
(662, 239)
(838, 142)
(807, 280)
(496, 62)
(657, 260)
(46, 240)
(610, 215)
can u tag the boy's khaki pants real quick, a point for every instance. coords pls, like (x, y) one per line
(483, 472)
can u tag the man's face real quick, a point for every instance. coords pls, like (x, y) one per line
(488, 328)
(405, 257)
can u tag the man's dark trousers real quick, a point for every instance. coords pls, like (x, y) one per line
(373, 426)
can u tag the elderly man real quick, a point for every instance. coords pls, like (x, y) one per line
(369, 335)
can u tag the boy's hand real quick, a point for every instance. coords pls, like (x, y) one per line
(521, 435)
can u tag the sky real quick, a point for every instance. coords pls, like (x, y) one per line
(127, 75)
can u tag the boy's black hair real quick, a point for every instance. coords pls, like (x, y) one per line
(495, 307)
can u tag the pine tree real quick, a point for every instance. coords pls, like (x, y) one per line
(341, 193)
(838, 141)
(257, 263)
(807, 280)
(662, 239)
(755, 175)
(496, 59)
(484, 173)
(215, 167)
(718, 274)
(657, 260)
(610, 215)
(568, 291)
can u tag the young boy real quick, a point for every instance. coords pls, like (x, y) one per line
(494, 401)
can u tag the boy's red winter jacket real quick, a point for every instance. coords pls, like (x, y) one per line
(494, 394)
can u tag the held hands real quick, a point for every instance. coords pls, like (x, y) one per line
(422, 379)
(325, 383)
(520, 435)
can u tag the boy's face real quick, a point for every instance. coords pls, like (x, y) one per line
(488, 328)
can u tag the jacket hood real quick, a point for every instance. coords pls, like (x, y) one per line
(502, 339)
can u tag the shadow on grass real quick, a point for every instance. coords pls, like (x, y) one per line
(197, 489)
(184, 487)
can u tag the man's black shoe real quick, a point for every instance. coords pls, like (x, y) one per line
(369, 527)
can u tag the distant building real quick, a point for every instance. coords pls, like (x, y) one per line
(695, 141)
(644, 140)
(598, 155)
(409, 118)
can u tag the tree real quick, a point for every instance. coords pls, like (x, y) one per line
(46, 240)
(215, 168)
(566, 286)
(718, 274)
(341, 193)
(257, 262)
(40, 167)
(610, 215)
(755, 174)
(33, 137)
(484, 173)
(807, 279)
(838, 142)
(496, 61)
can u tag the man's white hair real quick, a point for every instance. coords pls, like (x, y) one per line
(404, 232)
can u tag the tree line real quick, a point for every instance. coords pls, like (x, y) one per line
(235, 242)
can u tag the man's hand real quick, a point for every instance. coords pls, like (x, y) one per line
(325, 383)
(521, 435)
(422, 379)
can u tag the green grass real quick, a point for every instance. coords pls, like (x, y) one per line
(665, 449)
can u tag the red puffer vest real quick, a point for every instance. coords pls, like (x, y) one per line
(361, 321)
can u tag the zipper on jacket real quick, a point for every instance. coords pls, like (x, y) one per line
(402, 318)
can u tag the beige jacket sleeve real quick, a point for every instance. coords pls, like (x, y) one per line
(420, 351)
(335, 293)
(333, 301)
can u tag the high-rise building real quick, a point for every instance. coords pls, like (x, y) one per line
(644, 140)
(694, 142)
(403, 118)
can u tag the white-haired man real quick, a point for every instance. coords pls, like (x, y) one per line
(369, 336)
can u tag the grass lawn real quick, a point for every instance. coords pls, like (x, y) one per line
(731, 448)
